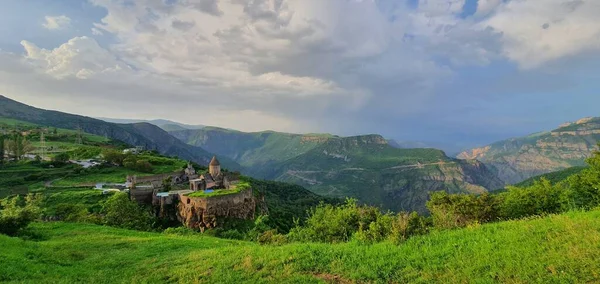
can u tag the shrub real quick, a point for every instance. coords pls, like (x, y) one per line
(16, 214)
(180, 231)
(271, 237)
(72, 212)
(405, 225)
(328, 223)
(540, 198)
(143, 166)
(460, 210)
(61, 158)
(231, 234)
(585, 188)
(121, 212)
(113, 156)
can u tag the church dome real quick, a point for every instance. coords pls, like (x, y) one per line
(214, 162)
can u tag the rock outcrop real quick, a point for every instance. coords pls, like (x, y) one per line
(204, 212)
(518, 159)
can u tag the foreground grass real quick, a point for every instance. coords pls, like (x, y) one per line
(557, 249)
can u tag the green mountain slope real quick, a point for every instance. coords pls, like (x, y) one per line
(162, 123)
(138, 134)
(518, 159)
(554, 249)
(367, 168)
(553, 177)
(251, 150)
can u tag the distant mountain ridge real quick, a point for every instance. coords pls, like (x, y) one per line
(518, 159)
(366, 167)
(137, 134)
(165, 124)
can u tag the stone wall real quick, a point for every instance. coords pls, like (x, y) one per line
(202, 213)
(159, 177)
(141, 196)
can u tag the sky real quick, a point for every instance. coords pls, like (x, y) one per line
(453, 73)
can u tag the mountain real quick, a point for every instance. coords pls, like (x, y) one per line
(553, 177)
(517, 159)
(165, 124)
(136, 134)
(255, 150)
(407, 144)
(365, 167)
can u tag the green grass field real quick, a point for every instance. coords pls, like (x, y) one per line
(556, 249)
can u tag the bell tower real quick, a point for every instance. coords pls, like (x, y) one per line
(214, 168)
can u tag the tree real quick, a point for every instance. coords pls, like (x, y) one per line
(1, 148)
(61, 158)
(121, 212)
(113, 156)
(143, 166)
(18, 146)
(16, 214)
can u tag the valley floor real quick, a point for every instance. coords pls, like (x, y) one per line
(556, 249)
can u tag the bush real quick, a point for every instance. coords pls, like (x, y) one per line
(180, 231)
(72, 212)
(332, 224)
(540, 198)
(585, 188)
(114, 156)
(231, 234)
(143, 166)
(271, 237)
(121, 212)
(16, 214)
(460, 210)
(405, 225)
(61, 158)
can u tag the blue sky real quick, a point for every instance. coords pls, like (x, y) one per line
(456, 73)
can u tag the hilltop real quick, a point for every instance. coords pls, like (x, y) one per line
(517, 159)
(554, 249)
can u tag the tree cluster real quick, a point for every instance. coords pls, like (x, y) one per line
(15, 146)
(128, 161)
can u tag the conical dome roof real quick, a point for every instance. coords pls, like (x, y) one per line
(214, 161)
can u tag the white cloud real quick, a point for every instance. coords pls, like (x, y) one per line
(535, 32)
(56, 22)
(96, 31)
(485, 7)
(80, 57)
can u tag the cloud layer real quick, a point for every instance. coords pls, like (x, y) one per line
(344, 66)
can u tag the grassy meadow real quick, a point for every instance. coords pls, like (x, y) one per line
(555, 249)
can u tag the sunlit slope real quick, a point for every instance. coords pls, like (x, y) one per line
(556, 249)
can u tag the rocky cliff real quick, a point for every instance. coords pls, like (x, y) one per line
(518, 159)
(368, 168)
(204, 213)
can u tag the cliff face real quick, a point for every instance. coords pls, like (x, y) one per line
(518, 159)
(204, 213)
(367, 168)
